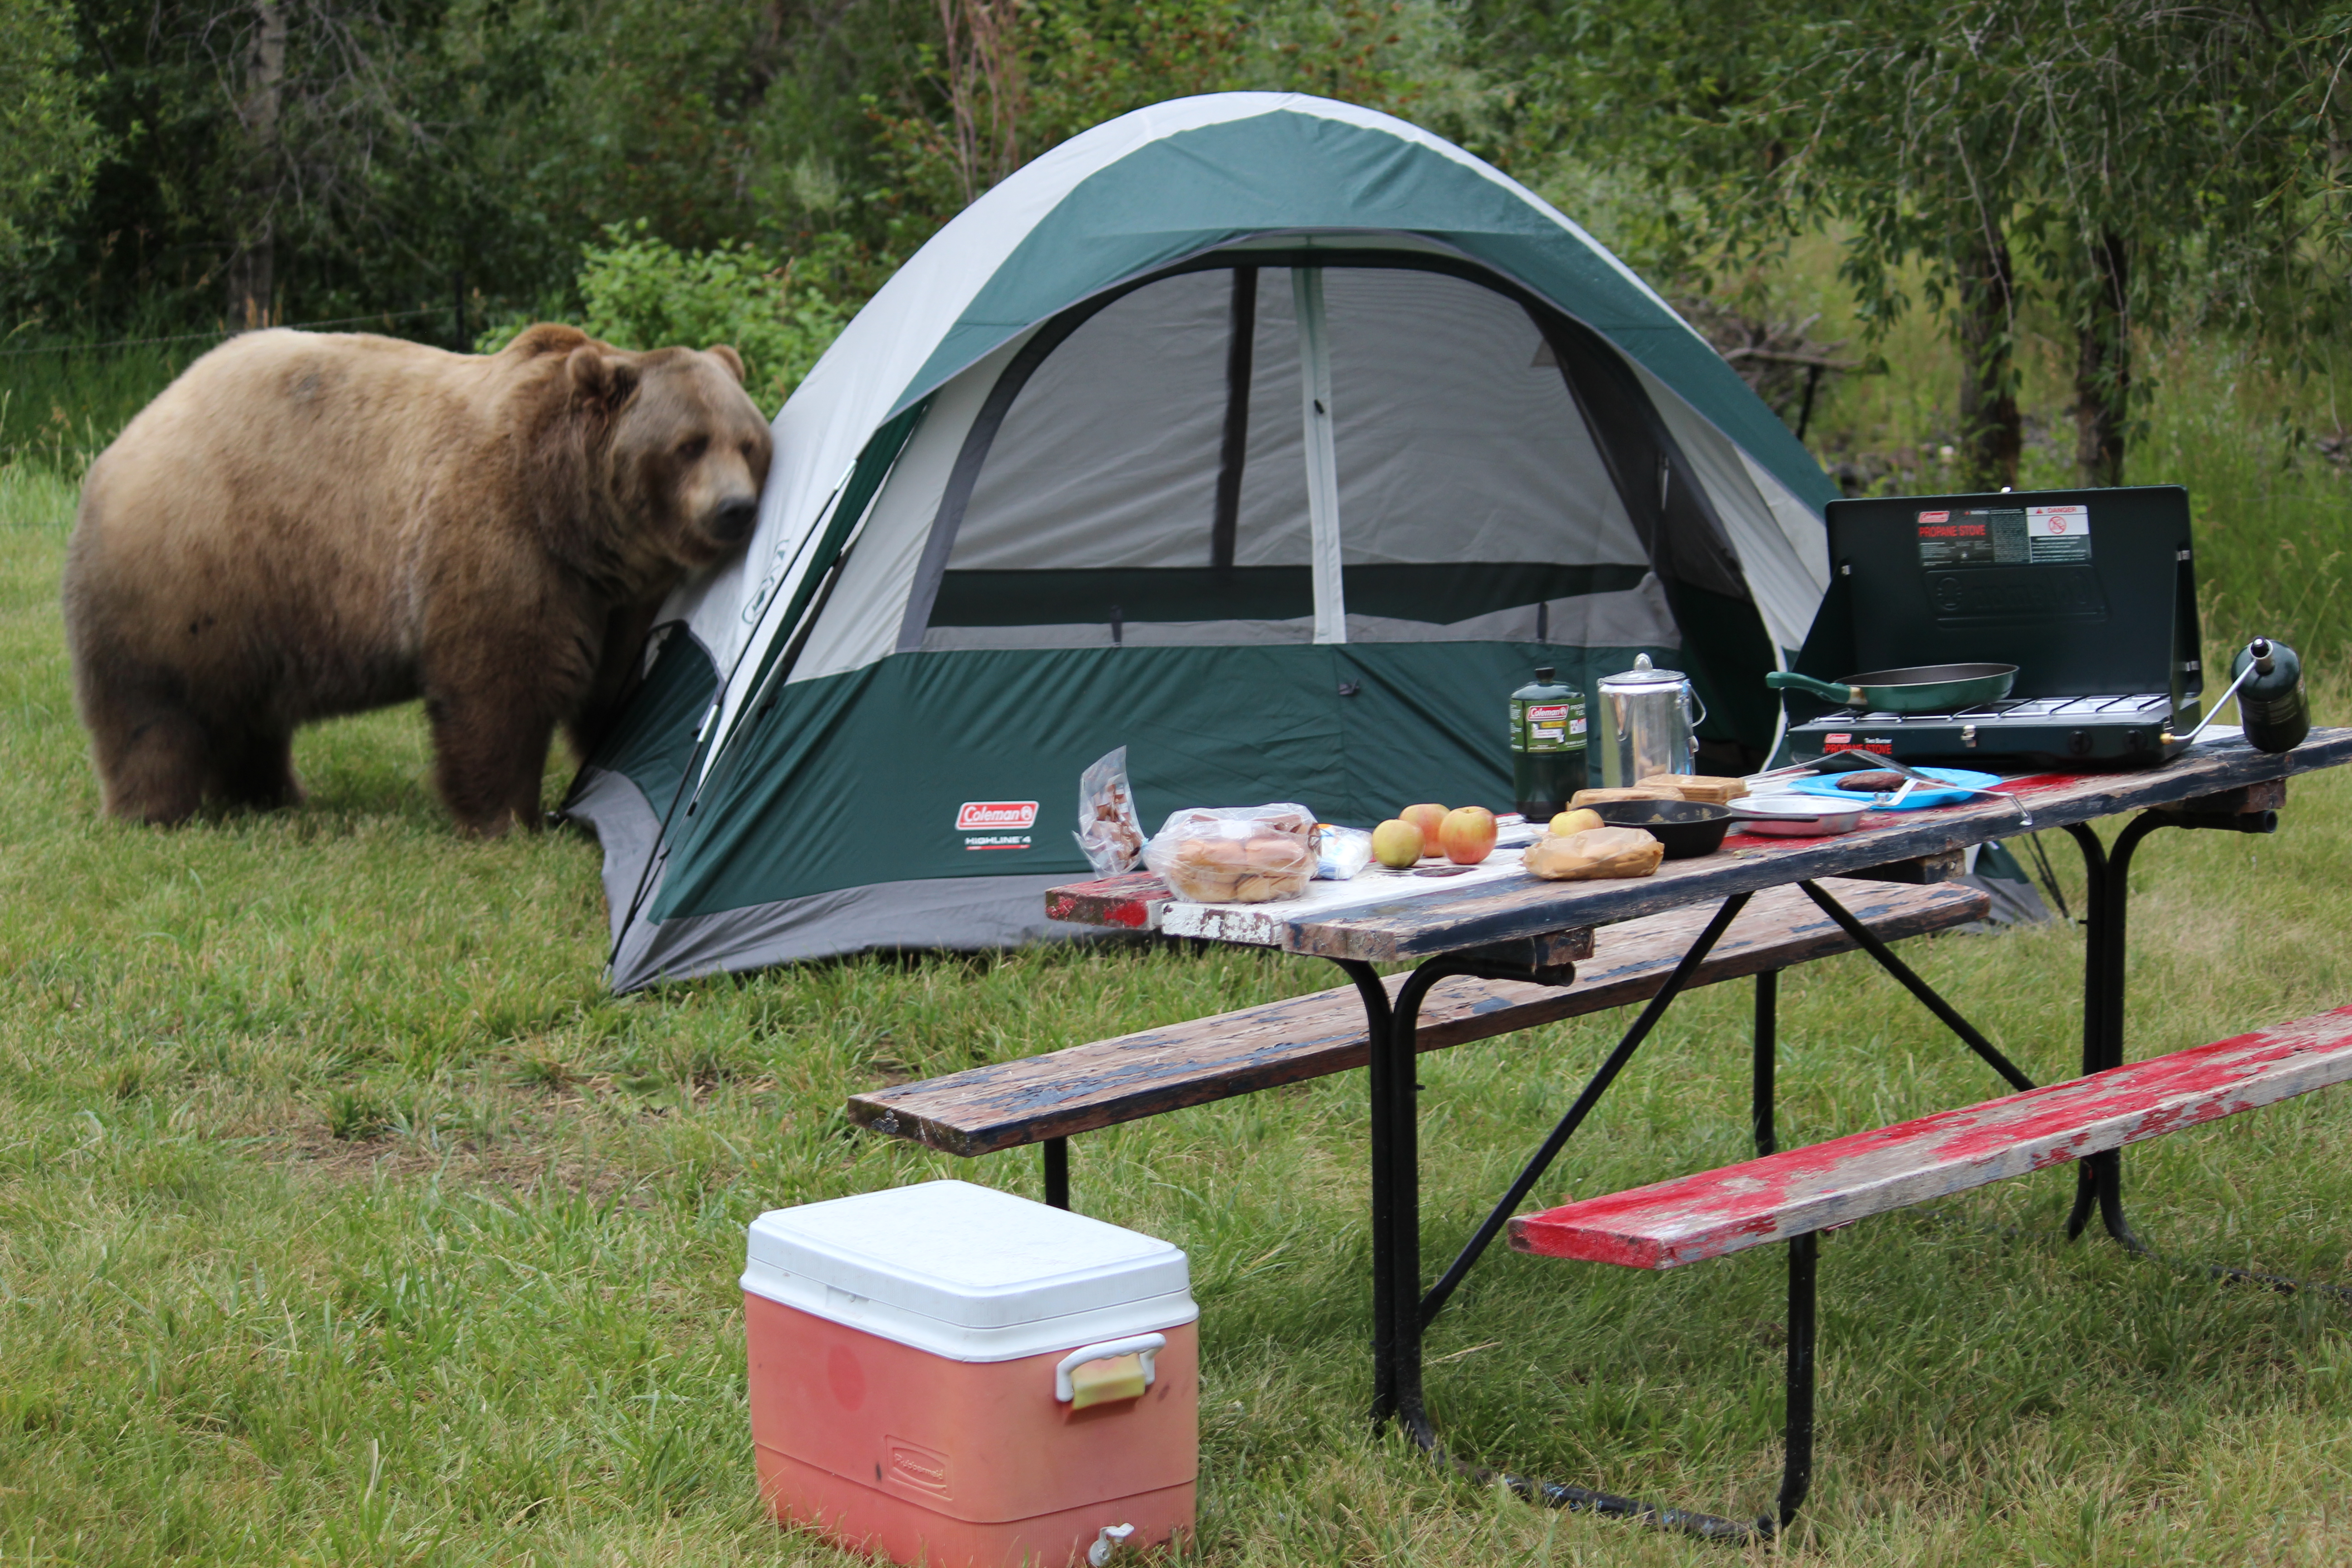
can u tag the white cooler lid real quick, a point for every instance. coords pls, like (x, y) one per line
(968, 1272)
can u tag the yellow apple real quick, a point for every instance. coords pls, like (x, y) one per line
(1576, 821)
(1396, 844)
(1468, 834)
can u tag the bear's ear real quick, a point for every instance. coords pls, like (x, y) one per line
(601, 377)
(546, 338)
(725, 355)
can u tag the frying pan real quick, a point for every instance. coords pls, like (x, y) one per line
(1922, 689)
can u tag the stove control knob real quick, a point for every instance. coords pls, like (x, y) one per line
(2078, 742)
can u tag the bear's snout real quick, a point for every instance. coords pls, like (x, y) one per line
(731, 522)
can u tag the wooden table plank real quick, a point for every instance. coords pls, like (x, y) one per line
(1801, 1190)
(1008, 1104)
(1385, 928)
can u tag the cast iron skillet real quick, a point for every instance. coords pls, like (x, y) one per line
(1922, 689)
(1687, 827)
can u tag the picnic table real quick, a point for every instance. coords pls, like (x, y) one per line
(1497, 922)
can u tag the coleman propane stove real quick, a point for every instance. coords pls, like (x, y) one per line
(2092, 594)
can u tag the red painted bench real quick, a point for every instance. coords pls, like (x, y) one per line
(1794, 1194)
(1801, 1190)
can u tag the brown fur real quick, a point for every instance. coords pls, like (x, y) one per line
(305, 525)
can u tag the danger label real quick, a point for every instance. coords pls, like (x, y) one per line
(2058, 533)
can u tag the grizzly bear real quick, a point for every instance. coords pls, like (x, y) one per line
(304, 525)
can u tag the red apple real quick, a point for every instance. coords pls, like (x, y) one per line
(1468, 834)
(1429, 818)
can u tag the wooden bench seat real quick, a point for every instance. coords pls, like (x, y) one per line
(1005, 1105)
(1799, 1191)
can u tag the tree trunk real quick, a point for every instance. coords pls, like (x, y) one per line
(2102, 365)
(986, 94)
(252, 272)
(1990, 432)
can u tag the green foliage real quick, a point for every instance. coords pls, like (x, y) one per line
(49, 142)
(1991, 151)
(1009, 79)
(637, 291)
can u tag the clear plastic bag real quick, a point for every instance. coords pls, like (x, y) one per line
(1236, 855)
(1109, 834)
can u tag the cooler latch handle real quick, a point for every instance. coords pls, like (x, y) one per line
(1143, 1346)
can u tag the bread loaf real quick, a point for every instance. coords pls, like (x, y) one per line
(1703, 787)
(1591, 796)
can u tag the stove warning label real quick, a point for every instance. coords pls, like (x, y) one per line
(2058, 533)
(2005, 536)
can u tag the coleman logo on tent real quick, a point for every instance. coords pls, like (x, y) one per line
(973, 815)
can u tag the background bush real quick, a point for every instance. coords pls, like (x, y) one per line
(639, 292)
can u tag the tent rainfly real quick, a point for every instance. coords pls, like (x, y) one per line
(1270, 438)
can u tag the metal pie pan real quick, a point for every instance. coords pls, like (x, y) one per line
(1797, 815)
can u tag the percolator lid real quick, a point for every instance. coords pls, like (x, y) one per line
(1642, 675)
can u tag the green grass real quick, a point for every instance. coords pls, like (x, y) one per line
(345, 1218)
(60, 404)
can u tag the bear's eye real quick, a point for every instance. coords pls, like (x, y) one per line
(692, 450)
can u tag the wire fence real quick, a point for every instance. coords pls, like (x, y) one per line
(384, 317)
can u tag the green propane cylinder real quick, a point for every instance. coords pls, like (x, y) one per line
(1547, 745)
(2271, 707)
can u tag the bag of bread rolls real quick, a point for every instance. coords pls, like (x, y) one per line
(1235, 855)
(1595, 853)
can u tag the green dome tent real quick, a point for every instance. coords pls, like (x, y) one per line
(1270, 438)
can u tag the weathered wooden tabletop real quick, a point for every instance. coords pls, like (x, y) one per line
(1398, 917)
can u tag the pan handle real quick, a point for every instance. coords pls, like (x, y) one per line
(1827, 691)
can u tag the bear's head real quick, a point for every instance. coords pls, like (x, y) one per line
(687, 449)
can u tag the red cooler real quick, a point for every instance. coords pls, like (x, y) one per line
(950, 1375)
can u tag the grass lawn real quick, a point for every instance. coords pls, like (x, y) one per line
(344, 1217)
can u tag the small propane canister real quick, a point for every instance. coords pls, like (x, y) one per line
(2270, 703)
(1547, 746)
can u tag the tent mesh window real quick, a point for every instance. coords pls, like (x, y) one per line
(1149, 479)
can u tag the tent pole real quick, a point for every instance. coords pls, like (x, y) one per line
(1240, 352)
(1322, 454)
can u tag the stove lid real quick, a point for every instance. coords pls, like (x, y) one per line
(2086, 592)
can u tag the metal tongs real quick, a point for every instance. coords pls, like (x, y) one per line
(1913, 779)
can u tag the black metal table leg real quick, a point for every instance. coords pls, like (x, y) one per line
(1399, 1310)
(1804, 1252)
(1797, 1431)
(2100, 1180)
(1767, 1046)
(1374, 994)
(1058, 1171)
(2094, 992)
